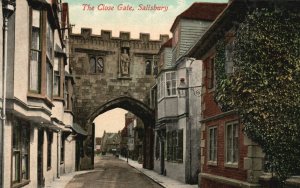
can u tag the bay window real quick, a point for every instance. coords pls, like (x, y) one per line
(57, 77)
(35, 52)
(49, 55)
(166, 85)
(171, 83)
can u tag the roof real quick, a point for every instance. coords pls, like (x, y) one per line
(78, 129)
(227, 19)
(167, 44)
(200, 11)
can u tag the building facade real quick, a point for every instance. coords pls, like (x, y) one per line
(228, 157)
(178, 112)
(38, 127)
(111, 143)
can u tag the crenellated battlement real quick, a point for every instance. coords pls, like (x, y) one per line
(87, 33)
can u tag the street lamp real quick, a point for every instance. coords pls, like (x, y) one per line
(8, 8)
(183, 91)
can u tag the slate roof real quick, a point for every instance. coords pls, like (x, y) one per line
(200, 11)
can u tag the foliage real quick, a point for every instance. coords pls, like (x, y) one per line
(265, 86)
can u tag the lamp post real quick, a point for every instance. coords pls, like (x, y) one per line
(8, 8)
(183, 91)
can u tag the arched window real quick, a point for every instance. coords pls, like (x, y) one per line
(148, 67)
(92, 65)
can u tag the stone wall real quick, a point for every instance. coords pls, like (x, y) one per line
(96, 85)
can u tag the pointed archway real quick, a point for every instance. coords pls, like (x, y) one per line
(134, 106)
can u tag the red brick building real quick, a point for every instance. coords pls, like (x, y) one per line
(228, 158)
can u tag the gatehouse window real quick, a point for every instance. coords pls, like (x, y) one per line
(96, 64)
(148, 67)
(20, 155)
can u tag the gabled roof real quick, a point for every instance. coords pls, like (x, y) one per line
(200, 11)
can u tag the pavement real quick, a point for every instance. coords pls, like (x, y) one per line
(65, 179)
(163, 181)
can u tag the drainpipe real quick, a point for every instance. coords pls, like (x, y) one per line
(8, 8)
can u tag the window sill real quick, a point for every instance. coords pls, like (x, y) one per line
(173, 96)
(231, 165)
(124, 78)
(62, 162)
(21, 184)
(49, 168)
(68, 111)
(210, 90)
(61, 99)
(212, 163)
(40, 97)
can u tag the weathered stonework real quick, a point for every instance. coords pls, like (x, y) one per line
(94, 89)
(109, 68)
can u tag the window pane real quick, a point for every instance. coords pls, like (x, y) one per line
(49, 42)
(56, 66)
(34, 79)
(49, 80)
(148, 67)
(229, 143)
(36, 18)
(92, 65)
(25, 170)
(56, 87)
(16, 166)
(35, 38)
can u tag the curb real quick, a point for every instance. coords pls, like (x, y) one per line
(157, 182)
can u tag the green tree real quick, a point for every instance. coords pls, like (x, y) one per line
(265, 86)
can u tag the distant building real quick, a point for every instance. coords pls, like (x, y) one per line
(110, 142)
(97, 147)
(132, 137)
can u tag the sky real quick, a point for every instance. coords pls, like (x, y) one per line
(153, 22)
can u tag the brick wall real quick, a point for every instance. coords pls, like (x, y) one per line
(218, 118)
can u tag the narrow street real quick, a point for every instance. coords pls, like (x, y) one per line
(112, 172)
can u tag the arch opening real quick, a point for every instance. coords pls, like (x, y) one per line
(140, 110)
